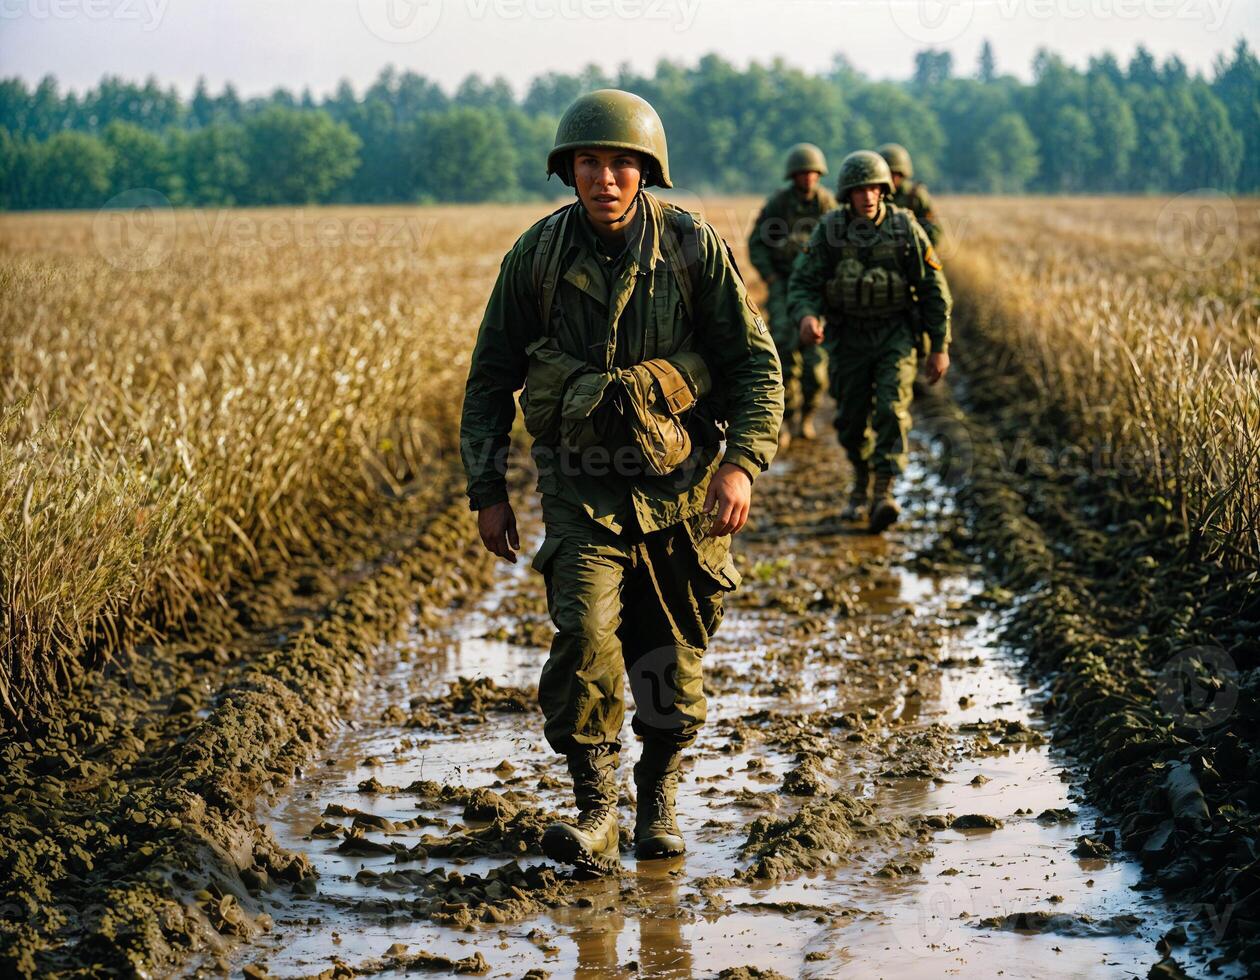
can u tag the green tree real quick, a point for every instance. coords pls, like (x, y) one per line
(70, 170)
(465, 154)
(1237, 85)
(1115, 136)
(140, 159)
(1008, 155)
(297, 156)
(212, 165)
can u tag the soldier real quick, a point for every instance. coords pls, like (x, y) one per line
(783, 227)
(909, 193)
(870, 268)
(639, 350)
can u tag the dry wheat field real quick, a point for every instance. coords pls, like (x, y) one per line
(198, 405)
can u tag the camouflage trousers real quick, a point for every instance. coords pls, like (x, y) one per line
(872, 368)
(638, 604)
(804, 368)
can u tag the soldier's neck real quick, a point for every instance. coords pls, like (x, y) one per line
(613, 235)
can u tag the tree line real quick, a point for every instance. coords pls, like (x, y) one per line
(1136, 128)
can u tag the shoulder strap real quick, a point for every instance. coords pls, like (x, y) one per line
(546, 271)
(682, 252)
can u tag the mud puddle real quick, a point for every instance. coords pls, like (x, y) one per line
(873, 793)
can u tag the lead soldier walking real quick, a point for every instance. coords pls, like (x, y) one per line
(639, 350)
(783, 227)
(871, 270)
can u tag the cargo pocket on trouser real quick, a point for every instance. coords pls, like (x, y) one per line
(713, 555)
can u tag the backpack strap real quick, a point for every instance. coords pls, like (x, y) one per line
(682, 252)
(546, 270)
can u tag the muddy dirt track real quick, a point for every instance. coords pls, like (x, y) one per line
(874, 793)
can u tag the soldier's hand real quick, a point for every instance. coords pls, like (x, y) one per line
(729, 497)
(497, 526)
(936, 366)
(811, 331)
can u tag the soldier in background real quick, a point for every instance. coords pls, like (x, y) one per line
(870, 269)
(783, 227)
(909, 193)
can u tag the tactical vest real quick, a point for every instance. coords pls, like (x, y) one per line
(573, 404)
(802, 218)
(869, 280)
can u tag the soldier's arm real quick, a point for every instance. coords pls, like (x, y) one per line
(935, 301)
(759, 251)
(925, 211)
(735, 337)
(496, 373)
(809, 275)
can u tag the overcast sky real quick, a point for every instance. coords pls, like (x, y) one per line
(261, 44)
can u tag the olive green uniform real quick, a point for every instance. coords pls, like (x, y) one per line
(783, 227)
(914, 197)
(879, 284)
(632, 581)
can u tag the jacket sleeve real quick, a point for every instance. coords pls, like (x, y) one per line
(810, 273)
(925, 211)
(496, 373)
(935, 301)
(736, 338)
(759, 251)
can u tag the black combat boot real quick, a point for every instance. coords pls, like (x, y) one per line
(885, 510)
(859, 496)
(591, 842)
(656, 833)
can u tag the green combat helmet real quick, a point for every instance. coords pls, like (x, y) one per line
(612, 119)
(804, 156)
(898, 158)
(861, 168)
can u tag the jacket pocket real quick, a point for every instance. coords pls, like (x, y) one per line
(546, 379)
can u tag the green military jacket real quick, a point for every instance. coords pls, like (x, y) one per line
(842, 237)
(615, 312)
(914, 197)
(783, 227)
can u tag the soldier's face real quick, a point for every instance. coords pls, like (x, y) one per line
(865, 199)
(898, 177)
(606, 182)
(805, 180)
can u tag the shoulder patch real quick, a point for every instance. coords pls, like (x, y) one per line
(931, 258)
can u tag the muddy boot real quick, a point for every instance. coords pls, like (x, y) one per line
(808, 431)
(591, 842)
(885, 509)
(785, 436)
(656, 833)
(859, 496)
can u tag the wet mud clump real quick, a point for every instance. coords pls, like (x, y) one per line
(822, 833)
(127, 836)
